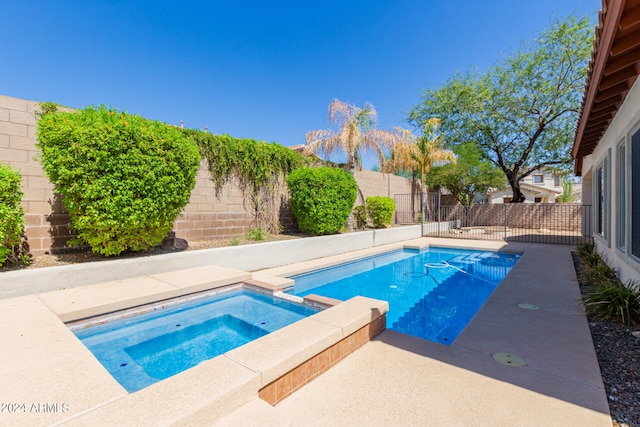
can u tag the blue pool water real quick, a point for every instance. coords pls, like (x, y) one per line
(141, 350)
(432, 294)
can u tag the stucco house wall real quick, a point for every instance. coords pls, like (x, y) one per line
(539, 187)
(614, 248)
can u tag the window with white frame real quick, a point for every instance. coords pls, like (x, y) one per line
(634, 183)
(538, 179)
(621, 166)
(601, 199)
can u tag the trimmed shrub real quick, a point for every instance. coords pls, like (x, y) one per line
(321, 198)
(11, 217)
(380, 210)
(360, 217)
(124, 178)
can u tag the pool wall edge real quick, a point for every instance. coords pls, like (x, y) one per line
(245, 257)
(268, 366)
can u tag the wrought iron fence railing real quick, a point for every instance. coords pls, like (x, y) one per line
(560, 223)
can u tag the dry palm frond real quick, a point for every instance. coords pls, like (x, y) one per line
(355, 132)
(401, 148)
(418, 154)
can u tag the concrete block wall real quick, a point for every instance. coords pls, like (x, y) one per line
(207, 216)
(210, 216)
(372, 183)
(46, 221)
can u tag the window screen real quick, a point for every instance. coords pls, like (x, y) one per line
(635, 194)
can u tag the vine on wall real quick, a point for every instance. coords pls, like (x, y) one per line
(257, 167)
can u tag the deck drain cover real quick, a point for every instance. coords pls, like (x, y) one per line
(509, 360)
(529, 306)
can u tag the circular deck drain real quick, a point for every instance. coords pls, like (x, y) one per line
(529, 306)
(509, 360)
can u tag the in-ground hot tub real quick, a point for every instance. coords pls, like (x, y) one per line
(142, 346)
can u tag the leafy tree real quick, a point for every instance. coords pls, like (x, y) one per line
(567, 190)
(522, 112)
(355, 133)
(469, 176)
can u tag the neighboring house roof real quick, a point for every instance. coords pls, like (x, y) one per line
(534, 189)
(614, 67)
(537, 189)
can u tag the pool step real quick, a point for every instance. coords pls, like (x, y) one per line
(256, 412)
(434, 317)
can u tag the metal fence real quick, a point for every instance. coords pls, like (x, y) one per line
(560, 223)
(409, 208)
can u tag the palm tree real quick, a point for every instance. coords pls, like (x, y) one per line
(409, 153)
(355, 133)
(417, 155)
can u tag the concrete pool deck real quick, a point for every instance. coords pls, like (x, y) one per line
(400, 380)
(392, 380)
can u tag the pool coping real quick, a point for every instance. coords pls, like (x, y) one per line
(426, 383)
(271, 367)
(47, 364)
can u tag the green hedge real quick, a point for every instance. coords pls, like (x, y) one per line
(380, 210)
(11, 216)
(360, 217)
(124, 178)
(321, 198)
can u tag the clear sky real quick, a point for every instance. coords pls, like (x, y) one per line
(257, 69)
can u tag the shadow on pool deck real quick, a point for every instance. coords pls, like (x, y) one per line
(401, 380)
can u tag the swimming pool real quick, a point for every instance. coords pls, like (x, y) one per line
(432, 294)
(143, 349)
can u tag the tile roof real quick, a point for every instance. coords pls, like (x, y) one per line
(614, 67)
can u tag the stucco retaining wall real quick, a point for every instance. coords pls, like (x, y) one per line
(247, 258)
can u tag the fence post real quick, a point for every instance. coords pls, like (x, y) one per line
(439, 214)
(504, 210)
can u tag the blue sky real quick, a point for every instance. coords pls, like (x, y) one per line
(257, 69)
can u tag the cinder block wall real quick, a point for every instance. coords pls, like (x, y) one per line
(46, 221)
(372, 183)
(207, 216)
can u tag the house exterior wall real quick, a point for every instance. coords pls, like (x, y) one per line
(625, 123)
(549, 182)
(207, 216)
(498, 196)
